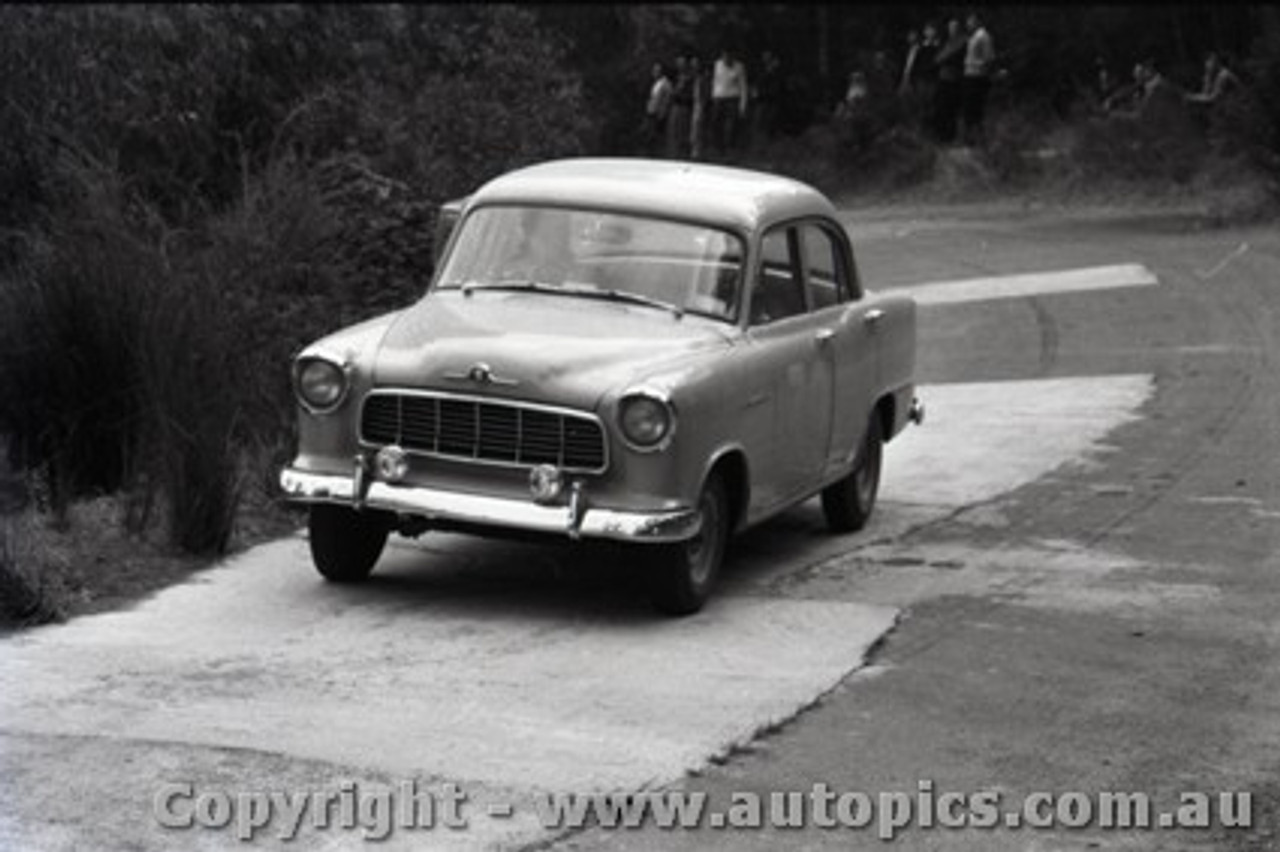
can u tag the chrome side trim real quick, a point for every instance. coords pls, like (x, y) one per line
(431, 503)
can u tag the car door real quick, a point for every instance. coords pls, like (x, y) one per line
(788, 351)
(846, 325)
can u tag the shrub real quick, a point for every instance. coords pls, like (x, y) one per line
(144, 358)
(1124, 147)
(72, 322)
(1248, 122)
(28, 595)
(1013, 147)
(286, 186)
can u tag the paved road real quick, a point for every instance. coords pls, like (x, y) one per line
(1067, 587)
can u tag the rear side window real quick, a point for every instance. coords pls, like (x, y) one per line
(778, 289)
(825, 275)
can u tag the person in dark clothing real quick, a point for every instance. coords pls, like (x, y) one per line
(680, 115)
(1162, 105)
(768, 96)
(924, 71)
(946, 96)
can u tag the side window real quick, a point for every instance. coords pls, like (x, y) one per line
(777, 291)
(825, 273)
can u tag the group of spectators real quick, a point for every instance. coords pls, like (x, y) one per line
(942, 81)
(692, 111)
(1153, 99)
(950, 76)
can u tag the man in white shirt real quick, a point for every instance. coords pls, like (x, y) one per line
(728, 100)
(979, 62)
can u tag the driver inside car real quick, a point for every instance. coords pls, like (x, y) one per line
(543, 253)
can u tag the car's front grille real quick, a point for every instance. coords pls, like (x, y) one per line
(485, 430)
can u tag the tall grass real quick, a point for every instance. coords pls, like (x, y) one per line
(28, 595)
(72, 322)
(153, 362)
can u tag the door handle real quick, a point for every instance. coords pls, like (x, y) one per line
(824, 335)
(873, 316)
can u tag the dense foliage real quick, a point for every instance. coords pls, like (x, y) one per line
(193, 192)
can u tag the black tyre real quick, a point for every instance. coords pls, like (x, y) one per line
(345, 543)
(683, 574)
(848, 503)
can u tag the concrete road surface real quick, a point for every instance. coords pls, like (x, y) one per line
(1068, 589)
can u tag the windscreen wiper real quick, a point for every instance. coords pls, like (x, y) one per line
(528, 285)
(625, 296)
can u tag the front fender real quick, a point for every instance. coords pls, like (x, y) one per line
(712, 419)
(328, 442)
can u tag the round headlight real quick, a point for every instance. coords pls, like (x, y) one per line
(321, 383)
(646, 421)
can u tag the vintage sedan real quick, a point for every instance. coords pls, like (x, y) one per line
(651, 352)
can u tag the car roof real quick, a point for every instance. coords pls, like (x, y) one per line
(718, 195)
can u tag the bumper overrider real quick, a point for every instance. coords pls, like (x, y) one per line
(575, 519)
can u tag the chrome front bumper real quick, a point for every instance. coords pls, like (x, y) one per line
(576, 520)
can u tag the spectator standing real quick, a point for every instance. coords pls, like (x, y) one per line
(924, 75)
(882, 78)
(680, 117)
(853, 113)
(979, 62)
(769, 95)
(925, 70)
(729, 96)
(1162, 105)
(657, 109)
(701, 107)
(946, 96)
(910, 64)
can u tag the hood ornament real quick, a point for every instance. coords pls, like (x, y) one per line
(481, 374)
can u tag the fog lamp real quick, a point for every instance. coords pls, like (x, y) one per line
(392, 464)
(545, 483)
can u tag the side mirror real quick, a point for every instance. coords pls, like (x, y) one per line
(450, 212)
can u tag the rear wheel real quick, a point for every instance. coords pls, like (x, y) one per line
(848, 503)
(683, 574)
(345, 543)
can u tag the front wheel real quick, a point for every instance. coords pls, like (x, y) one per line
(345, 543)
(683, 574)
(848, 503)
